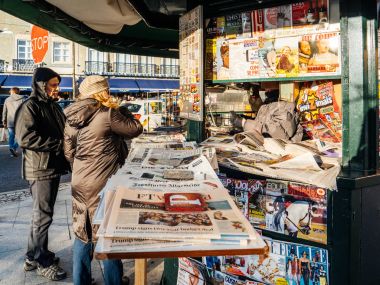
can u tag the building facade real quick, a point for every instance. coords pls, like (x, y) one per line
(73, 60)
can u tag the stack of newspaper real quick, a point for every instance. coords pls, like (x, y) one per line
(168, 196)
(312, 161)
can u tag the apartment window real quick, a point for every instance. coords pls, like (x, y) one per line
(169, 61)
(24, 49)
(94, 55)
(61, 52)
(123, 58)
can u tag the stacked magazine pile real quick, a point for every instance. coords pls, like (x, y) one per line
(167, 195)
(312, 161)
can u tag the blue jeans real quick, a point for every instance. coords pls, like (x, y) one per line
(12, 141)
(82, 256)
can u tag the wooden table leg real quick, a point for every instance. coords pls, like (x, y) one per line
(140, 271)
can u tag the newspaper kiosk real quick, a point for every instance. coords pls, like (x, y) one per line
(352, 211)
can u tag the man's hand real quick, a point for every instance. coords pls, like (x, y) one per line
(5, 125)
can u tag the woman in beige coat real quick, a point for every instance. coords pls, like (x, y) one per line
(95, 134)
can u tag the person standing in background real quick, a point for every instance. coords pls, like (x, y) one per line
(11, 105)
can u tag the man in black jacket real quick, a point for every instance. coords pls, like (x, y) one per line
(39, 126)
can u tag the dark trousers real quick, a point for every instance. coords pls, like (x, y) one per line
(44, 194)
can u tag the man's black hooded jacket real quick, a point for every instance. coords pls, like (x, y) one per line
(39, 126)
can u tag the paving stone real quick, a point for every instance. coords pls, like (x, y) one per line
(14, 229)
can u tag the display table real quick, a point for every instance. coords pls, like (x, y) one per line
(257, 247)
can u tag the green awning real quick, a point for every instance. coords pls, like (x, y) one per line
(137, 39)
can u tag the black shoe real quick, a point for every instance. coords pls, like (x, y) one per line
(13, 152)
(30, 265)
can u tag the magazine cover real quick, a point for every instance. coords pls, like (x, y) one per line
(238, 25)
(270, 18)
(286, 57)
(267, 57)
(191, 272)
(301, 212)
(210, 60)
(215, 27)
(244, 58)
(284, 16)
(286, 263)
(291, 208)
(222, 60)
(319, 53)
(310, 12)
(257, 21)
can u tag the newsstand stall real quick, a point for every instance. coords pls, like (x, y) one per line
(321, 56)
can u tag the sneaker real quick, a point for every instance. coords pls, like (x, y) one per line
(13, 152)
(30, 265)
(52, 272)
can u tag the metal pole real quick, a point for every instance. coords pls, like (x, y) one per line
(74, 67)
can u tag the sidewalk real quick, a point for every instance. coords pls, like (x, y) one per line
(14, 228)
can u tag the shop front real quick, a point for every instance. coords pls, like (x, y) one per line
(320, 56)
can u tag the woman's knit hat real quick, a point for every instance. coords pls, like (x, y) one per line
(93, 84)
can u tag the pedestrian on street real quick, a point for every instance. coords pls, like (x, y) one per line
(39, 127)
(95, 133)
(11, 105)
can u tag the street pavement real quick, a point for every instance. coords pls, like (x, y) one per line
(10, 171)
(14, 228)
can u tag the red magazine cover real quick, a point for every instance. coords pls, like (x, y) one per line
(184, 202)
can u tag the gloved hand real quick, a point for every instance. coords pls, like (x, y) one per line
(236, 120)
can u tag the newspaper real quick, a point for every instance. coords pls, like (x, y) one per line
(129, 244)
(156, 138)
(144, 214)
(200, 185)
(165, 157)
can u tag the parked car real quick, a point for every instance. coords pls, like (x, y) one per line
(148, 112)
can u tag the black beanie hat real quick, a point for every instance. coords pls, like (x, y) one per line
(44, 74)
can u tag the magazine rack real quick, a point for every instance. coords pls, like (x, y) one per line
(353, 237)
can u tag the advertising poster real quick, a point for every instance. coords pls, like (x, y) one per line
(286, 57)
(191, 65)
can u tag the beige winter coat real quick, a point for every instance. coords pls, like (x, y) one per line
(95, 147)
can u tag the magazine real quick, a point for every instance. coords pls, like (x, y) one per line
(143, 213)
(286, 263)
(191, 272)
(291, 208)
